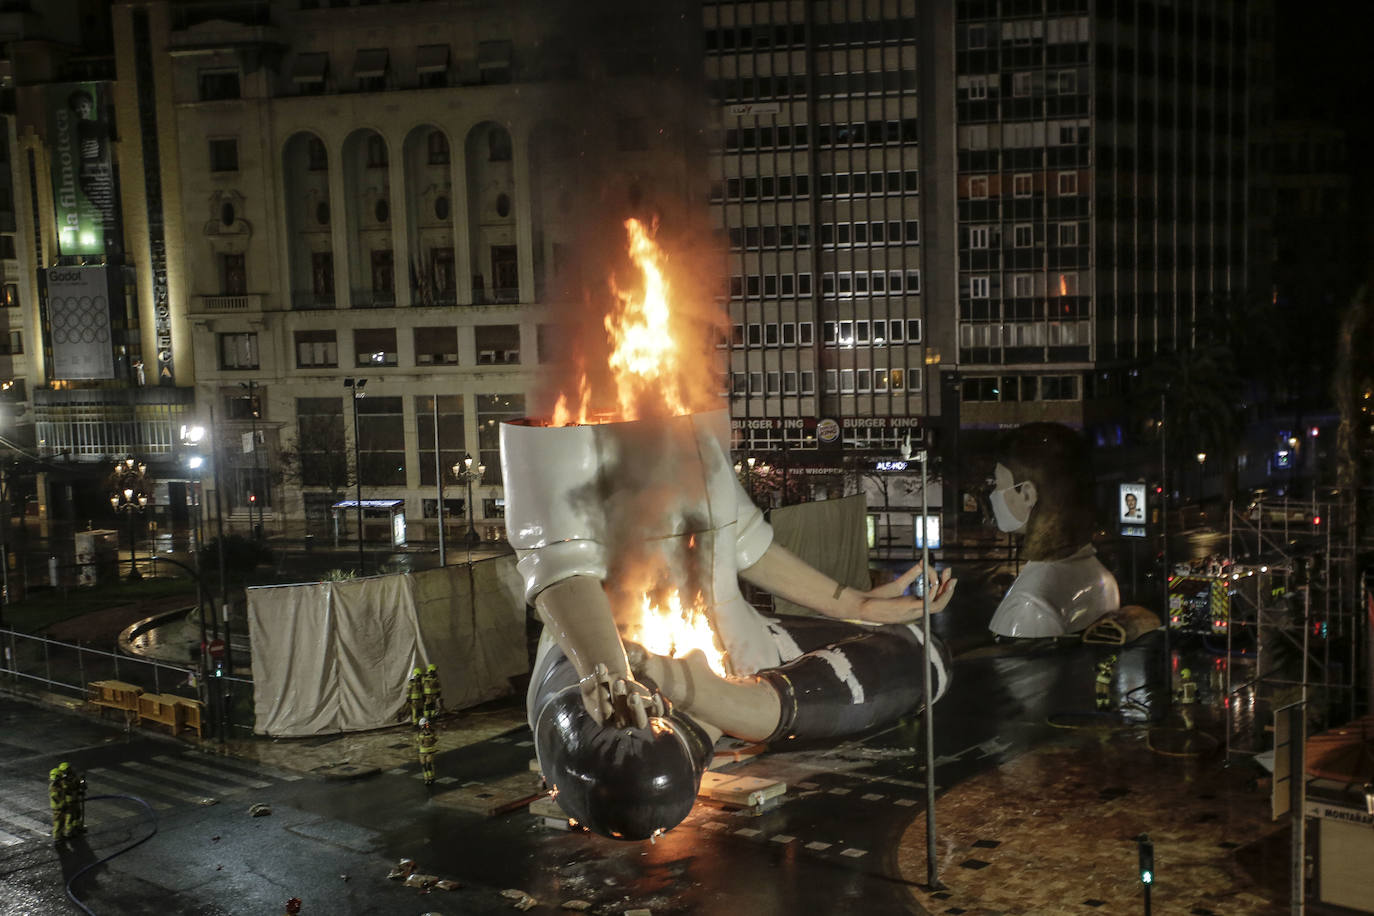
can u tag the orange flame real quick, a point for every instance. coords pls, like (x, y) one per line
(650, 373)
(675, 630)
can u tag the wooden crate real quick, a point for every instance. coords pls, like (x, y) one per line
(116, 695)
(159, 708)
(189, 716)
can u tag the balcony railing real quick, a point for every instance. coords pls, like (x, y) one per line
(251, 302)
(373, 299)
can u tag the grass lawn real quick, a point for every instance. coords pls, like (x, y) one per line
(49, 606)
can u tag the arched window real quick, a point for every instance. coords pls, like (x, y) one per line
(376, 152)
(438, 148)
(498, 145)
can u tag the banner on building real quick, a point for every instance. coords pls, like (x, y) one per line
(79, 320)
(82, 169)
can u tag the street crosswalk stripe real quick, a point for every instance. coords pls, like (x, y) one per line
(32, 805)
(126, 785)
(255, 769)
(9, 840)
(9, 818)
(184, 764)
(183, 780)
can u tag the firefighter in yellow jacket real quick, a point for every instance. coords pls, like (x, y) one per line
(57, 798)
(433, 697)
(416, 696)
(427, 744)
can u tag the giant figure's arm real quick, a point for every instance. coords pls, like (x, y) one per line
(578, 614)
(783, 573)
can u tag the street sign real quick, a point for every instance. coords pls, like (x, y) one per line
(216, 648)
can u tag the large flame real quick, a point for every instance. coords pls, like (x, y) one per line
(674, 629)
(645, 361)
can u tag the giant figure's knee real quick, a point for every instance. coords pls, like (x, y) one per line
(872, 677)
(625, 783)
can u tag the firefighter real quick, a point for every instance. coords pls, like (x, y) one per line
(433, 698)
(427, 744)
(74, 821)
(1105, 673)
(57, 798)
(1186, 696)
(416, 697)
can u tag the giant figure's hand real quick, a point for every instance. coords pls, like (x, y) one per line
(889, 603)
(617, 699)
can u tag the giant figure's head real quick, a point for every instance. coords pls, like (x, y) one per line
(1044, 488)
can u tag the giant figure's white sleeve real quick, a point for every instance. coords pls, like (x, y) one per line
(753, 534)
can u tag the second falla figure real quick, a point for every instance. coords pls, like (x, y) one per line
(1043, 490)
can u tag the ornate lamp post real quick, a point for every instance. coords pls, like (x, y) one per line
(130, 495)
(466, 474)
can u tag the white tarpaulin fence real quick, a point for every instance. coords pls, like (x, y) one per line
(333, 657)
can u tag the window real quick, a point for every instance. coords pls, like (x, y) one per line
(1023, 235)
(1021, 84)
(1065, 284)
(370, 69)
(374, 346)
(322, 276)
(238, 351)
(376, 152)
(913, 281)
(1059, 388)
(309, 72)
(437, 144)
(317, 349)
(320, 444)
(1068, 82)
(317, 155)
(436, 346)
(450, 438)
(808, 381)
(383, 290)
(219, 84)
(498, 145)
(978, 36)
(1068, 234)
(1023, 286)
(492, 411)
(224, 155)
(912, 231)
(7, 249)
(431, 65)
(978, 186)
(1068, 183)
(505, 272)
(979, 287)
(498, 344)
(977, 87)
(978, 237)
(233, 278)
(11, 297)
(1022, 185)
(913, 330)
(381, 441)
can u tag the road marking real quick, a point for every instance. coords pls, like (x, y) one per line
(25, 823)
(7, 839)
(854, 853)
(183, 763)
(817, 846)
(132, 784)
(181, 780)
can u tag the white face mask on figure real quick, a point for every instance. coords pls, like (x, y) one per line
(1011, 501)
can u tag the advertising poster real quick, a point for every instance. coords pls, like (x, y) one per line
(79, 316)
(82, 171)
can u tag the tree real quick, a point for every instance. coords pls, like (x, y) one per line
(1202, 399)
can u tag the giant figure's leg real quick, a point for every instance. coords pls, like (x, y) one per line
(623, 782)
(842, 679)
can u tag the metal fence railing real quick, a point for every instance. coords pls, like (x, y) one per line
(69, 669)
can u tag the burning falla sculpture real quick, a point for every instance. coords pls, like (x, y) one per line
(632, 532)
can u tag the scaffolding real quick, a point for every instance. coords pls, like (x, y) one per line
(1296, 610)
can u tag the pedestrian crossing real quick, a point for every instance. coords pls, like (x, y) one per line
(166, 782)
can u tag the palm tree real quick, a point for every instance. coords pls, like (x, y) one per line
(1201, 394)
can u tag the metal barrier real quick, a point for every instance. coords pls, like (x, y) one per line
(71, 669)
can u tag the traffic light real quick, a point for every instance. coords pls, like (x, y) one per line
(1147, 859)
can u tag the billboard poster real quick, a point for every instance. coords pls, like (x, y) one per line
(82, 169)
(79, 319)
(1131, 509)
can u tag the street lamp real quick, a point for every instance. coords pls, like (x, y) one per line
(130, 495)
(466, 474)
(356, 386)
